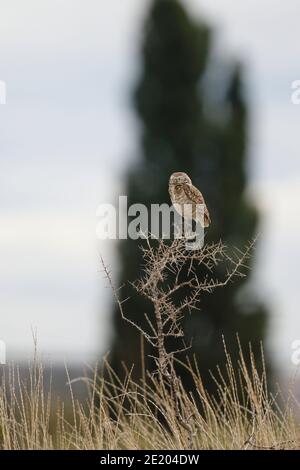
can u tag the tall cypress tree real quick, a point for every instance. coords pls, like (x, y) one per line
(179, 133)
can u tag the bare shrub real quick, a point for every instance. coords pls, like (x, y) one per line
(169, 270)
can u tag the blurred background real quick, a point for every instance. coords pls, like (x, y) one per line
(85, 83)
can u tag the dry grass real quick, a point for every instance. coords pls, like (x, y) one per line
(157, 412)
(126, 415)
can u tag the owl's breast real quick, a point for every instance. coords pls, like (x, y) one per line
(177, 193)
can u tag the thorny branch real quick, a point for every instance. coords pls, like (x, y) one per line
(168, 271)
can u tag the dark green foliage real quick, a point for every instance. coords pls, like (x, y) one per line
(182, 131)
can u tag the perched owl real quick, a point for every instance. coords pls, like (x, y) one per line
(183, 192)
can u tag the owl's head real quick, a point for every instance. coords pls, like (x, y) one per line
(180, 178)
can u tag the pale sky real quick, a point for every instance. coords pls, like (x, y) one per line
(67, 133)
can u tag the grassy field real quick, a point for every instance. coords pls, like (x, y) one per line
(126, 415)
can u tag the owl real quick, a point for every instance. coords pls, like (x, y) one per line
(183, 192)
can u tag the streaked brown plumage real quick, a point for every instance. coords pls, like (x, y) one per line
(183, 192)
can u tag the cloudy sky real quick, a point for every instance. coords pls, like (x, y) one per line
(67, 133)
